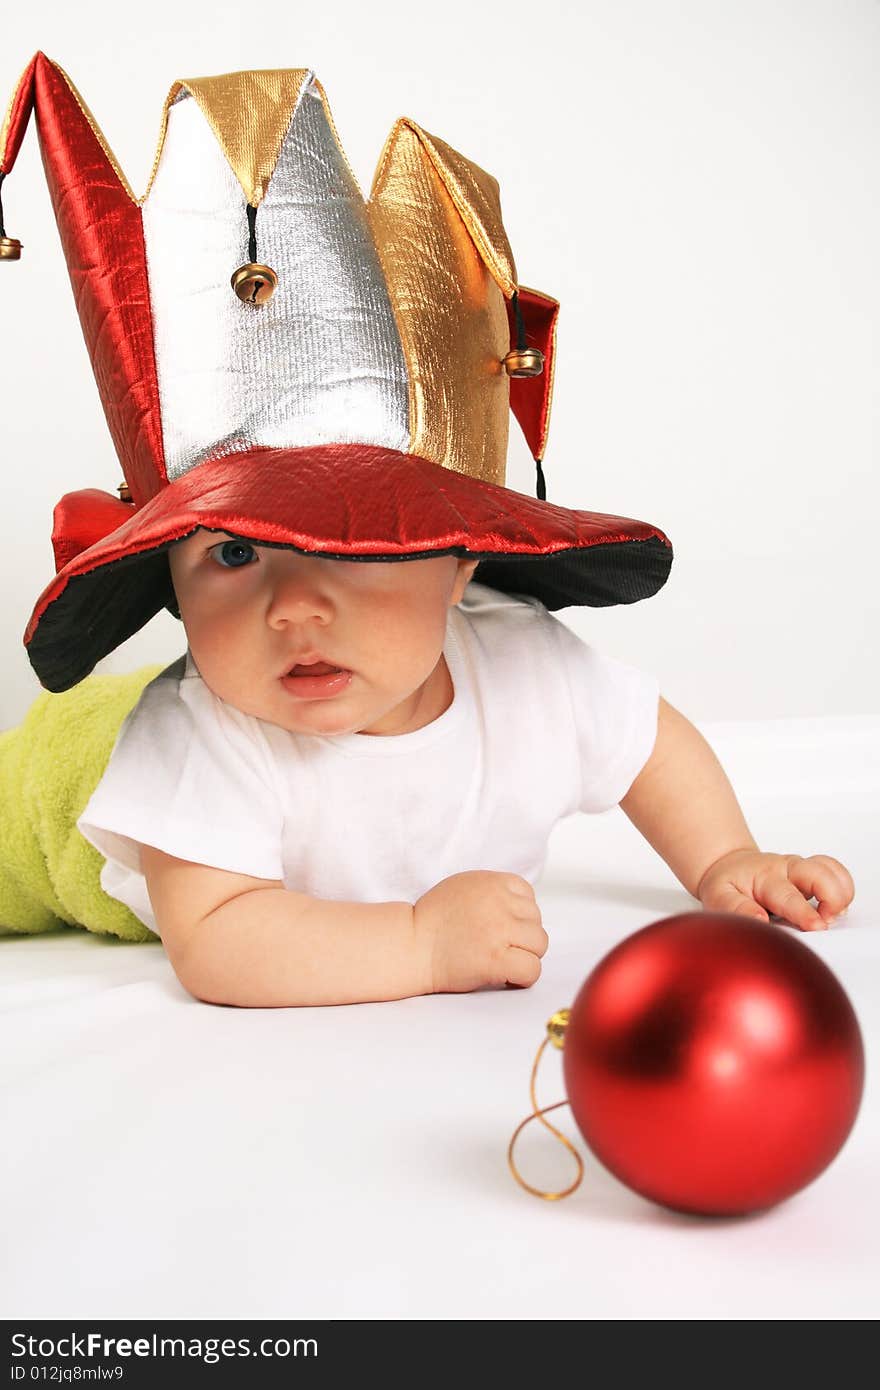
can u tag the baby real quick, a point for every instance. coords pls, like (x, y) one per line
(310, 392)
(254, 614)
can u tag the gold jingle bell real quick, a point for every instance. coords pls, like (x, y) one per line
(255, 284)
(524, 361)
(10, 248)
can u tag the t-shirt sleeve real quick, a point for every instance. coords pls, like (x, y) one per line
(615, 708)
(193, 777)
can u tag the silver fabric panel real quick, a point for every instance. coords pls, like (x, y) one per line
(322, 362)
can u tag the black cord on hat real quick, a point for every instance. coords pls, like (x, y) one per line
(253, 283)
(2, 228)
(520, 323)
(541, 488)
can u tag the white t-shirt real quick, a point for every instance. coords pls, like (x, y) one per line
(541, 726)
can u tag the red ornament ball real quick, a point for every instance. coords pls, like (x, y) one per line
(713, 1064)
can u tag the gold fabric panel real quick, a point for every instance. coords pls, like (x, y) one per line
(249, 113)
(450, 313)
(477, 197)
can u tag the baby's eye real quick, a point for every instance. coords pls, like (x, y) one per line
(232, 554)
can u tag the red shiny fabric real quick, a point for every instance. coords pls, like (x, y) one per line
(102, 235)
(530, 396)
(713, 1064)
(83, 518)
(341, 499)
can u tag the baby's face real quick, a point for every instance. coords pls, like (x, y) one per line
(251, 612)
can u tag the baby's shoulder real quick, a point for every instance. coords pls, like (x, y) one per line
(162, 691)
(497, 618)
(484, 604)
(509, 640)
(177, 709)
(179, 721)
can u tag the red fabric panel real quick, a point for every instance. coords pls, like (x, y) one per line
(102, 235)
(83, 518)
(530, 395)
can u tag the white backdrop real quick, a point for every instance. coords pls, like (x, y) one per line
(696, 182)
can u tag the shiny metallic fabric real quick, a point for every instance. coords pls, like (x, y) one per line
(477, 196)
(362, 410)
(249, 112)
(320, 363)
(450, 311)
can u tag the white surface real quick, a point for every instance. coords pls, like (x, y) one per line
(694, 180)
(166, 1158)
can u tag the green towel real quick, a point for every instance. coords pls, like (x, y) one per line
(49, 766)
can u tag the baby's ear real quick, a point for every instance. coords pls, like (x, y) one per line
(463, 577)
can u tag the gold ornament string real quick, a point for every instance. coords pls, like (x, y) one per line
(555, 1031)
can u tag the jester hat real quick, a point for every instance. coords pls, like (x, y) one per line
(283, 360)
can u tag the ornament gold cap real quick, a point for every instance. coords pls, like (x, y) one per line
(124, 492)
(10, 248)
(254, 284)
(557, 1025)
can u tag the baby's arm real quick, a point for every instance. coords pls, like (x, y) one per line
(233, 939)
(685, 807)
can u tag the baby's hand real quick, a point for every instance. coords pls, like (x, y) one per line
(481, 928)
(747, 881)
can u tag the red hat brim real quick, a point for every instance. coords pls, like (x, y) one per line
(344, 501)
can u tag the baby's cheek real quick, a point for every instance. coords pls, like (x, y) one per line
(410, 636)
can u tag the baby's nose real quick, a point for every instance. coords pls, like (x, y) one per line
(299, 591)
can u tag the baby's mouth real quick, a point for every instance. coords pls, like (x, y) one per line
(316, 680)
(315, 668)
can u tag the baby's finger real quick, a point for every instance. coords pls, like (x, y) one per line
(783, 896)
(530, 936)
(844, 880)
(817, 878)
(522, 968)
